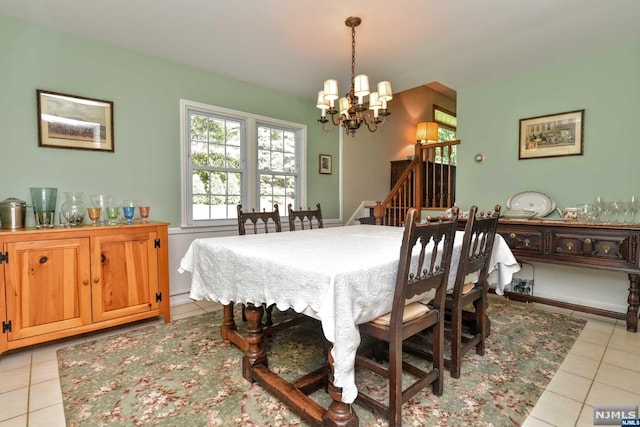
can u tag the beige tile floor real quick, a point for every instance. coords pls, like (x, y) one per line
(602, 368)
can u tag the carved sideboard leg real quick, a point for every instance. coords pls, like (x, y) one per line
(339, 414)
(634, 301)
(255, 354)
(228, 324)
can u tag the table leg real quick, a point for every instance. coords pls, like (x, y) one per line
(255, 353)
(228, 324)
(339, 414)
(633, 301)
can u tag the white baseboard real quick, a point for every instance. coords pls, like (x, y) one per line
(179, 299)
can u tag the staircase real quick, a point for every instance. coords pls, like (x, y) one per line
(425, 185)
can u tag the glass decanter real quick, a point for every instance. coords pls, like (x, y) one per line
(73, 210)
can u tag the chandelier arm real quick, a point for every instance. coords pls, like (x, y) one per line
(333, 119)
(330, 129)
(371, 123)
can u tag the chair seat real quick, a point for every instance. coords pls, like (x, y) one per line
(468, 287)
(411, 311)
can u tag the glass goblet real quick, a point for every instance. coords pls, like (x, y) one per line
(112, 214)
(144, 213)
(128, 211)
(599, 205)
(617, 212)
(94, 214)
(633, 205)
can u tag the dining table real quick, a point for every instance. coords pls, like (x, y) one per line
(342, 276)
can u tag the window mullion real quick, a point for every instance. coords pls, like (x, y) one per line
(252, 192)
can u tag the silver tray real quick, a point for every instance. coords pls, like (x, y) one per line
(532, 201)
(519, 214)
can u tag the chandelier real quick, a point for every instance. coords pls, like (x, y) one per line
(351, 111)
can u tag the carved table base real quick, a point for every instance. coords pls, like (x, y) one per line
(255, 368)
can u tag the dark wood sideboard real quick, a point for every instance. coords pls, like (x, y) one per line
(601, 246)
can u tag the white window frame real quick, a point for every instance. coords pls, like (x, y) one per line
(249, 149)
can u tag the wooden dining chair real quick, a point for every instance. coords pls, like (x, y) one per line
(302, 217)
(419, 271)
(475, 257)
(265, 219)
(259, 222)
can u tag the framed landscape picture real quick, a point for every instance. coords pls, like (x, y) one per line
(68, 121)
(552, 136)
(325, 163)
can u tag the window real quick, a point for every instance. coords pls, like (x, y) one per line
(231, 157)
(277, 166)
(447, 123)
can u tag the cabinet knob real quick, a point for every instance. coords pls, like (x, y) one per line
(43, 259)
(512, 235)
(606, 248)
(569, 245)
(526, 242)
(96, 280)
(85, 282)
(587, 241)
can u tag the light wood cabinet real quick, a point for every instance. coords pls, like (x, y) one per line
(61, 282)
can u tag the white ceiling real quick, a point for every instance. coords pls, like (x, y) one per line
(294, 45)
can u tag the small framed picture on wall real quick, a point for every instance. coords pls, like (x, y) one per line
(325, 163)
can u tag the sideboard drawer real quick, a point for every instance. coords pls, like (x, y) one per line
(608, 247)
(525, 241)
(600, 248)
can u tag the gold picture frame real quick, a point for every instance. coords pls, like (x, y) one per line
(325, 164)
(75, 122)
(553, 135)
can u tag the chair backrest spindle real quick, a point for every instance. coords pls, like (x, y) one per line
(305, 216)
(264, 218)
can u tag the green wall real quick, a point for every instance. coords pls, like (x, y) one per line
(606, 85)
(146, 93)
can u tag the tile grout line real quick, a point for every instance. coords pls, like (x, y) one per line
(29, 387)
(584, 402)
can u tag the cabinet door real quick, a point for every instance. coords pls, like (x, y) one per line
(3, 311)
(47, 286)
(124, 274)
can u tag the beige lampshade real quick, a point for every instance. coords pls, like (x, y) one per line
(322, 102)
(427, 132)
(374, 101)
(344, 105)
(361, 85)
(384, 91)
(331, 90)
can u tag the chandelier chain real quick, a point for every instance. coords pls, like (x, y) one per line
(353, 57)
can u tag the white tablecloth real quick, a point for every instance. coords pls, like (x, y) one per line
(342, 276)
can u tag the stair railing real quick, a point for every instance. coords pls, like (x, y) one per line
(411, 188)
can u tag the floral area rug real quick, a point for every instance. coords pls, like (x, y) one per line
(181, 374)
